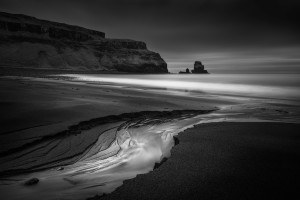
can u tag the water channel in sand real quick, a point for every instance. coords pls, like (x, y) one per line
(120, 152)
(98, 158)
(108, 154)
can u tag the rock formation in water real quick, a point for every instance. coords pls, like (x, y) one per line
(198, 69)
(187, 71)
(28, 42)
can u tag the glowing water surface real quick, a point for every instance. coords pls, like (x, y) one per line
(124, 150)
(119, 153)
(280, 86)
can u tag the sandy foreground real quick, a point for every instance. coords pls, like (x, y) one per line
(254, 159)
(225, 161)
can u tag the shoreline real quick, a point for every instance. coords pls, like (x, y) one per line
(84, 126)
(121, 149)
(43, 73)
(40, 107)
(223, 161)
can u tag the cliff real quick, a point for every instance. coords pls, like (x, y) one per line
(28, 42)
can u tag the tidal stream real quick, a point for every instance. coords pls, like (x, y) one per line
(93, 160)
(94, 157)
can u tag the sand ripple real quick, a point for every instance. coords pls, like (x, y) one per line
(92, 161)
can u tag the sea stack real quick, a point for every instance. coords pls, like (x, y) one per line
(199, 68)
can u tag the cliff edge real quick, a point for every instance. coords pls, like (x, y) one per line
(28, 42)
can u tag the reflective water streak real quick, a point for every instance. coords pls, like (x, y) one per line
(280, 86)
(137, 145)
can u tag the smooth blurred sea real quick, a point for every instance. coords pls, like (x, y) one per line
(277, 86)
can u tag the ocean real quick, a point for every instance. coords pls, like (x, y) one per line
(274, 86)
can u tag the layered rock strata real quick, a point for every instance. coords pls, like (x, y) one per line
(28, 42)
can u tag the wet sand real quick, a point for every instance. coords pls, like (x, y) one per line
(224, 161)
(212, 161)
(52, 105)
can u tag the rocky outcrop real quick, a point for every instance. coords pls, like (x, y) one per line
(199, 68)
(187, 71)
(28, 42)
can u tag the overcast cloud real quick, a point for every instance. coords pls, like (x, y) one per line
(233, 35)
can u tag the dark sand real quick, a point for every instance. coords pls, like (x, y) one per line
(225, 161)
(50, 106)
(212, 161)
(34, 109)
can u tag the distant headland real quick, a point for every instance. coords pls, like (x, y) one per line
(198, 69)
(30, 43)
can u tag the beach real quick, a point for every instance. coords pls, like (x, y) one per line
(224, 161)
(93, 137)
(149, 100)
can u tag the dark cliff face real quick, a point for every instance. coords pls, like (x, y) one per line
(27, 42)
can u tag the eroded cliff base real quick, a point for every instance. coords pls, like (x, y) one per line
(27, 42)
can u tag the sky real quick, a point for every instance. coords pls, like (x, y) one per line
(228, 36)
